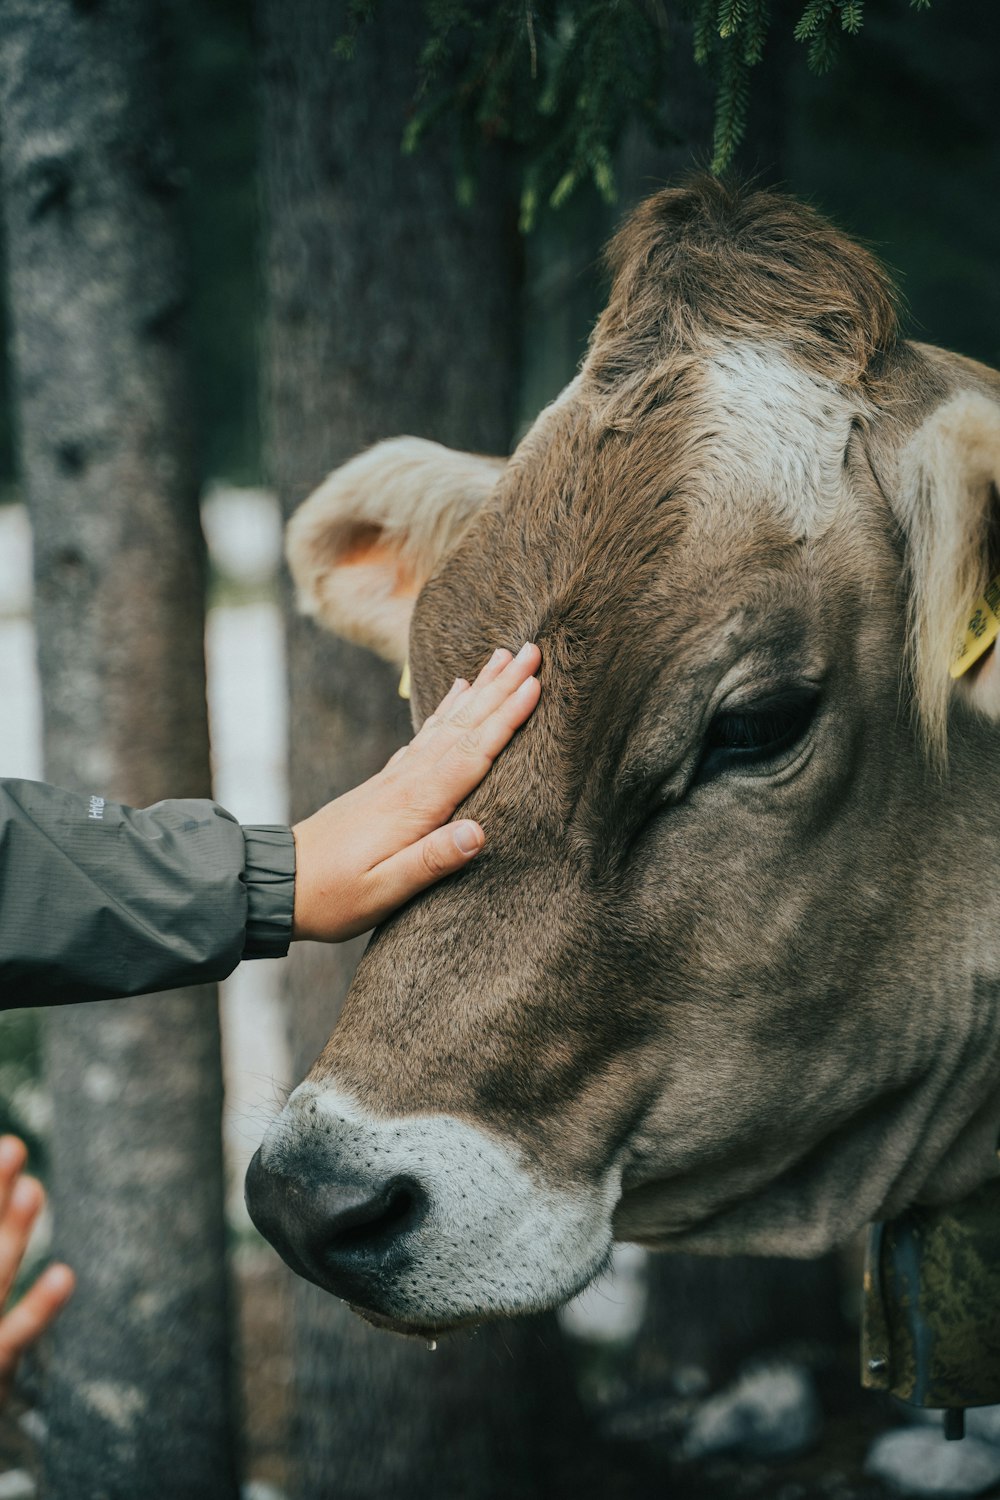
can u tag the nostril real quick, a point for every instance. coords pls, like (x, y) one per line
(342, 1231)
(374, 1223)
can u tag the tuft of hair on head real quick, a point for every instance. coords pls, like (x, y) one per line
(711, 260)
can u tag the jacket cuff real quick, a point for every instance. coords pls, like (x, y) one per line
(269, 876)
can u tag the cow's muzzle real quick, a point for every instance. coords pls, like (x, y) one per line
(421, 1222)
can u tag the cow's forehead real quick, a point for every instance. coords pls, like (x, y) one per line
(624, 522)
(734, 454)
(740, 427)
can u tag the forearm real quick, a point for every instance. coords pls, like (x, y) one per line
(98, 900)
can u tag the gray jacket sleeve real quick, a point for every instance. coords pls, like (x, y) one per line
(98, 900)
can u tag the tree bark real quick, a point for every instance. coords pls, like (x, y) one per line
(140, 1393)
(391, 310)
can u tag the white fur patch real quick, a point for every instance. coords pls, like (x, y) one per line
(493, 1240)
(781, 431)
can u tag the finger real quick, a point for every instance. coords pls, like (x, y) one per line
(13, 1155)
(482, 699)
(424, 787)
(35, 1312)
(465, 699)
(500, 659)
(22, 1210)
(458, 687)
(431, 783)
(496, 731)
(422, 864)
(487, 695)
(454, 693)
(467, 761)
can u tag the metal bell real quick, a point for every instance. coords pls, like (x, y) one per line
(931, 1321)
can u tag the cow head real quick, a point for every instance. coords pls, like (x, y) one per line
(725, 976)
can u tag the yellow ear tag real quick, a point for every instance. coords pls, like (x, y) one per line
(981, 631)
(404, 681)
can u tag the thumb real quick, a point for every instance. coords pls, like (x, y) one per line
(427, 861)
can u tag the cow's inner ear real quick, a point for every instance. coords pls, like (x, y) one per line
(949, 475)
(368, 546)
(365, 542)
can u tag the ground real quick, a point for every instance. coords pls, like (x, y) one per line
(640, 1456)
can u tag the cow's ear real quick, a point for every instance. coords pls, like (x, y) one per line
(365, 542)
(950, 473)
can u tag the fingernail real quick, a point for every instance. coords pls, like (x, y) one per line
(498, 655)
(468, 838)
(460, 682)
(525, 651)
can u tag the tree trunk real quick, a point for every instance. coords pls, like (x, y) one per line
(391, 310)
(140, 1391)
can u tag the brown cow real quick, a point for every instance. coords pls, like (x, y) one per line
(727, 976)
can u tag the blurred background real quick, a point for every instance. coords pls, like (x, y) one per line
(224, 276)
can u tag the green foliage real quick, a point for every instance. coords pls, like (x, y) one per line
(561, 79)
(730, 36)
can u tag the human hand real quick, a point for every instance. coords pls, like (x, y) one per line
(21, 1200)
(367, 852)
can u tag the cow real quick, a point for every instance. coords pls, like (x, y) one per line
(726, 978)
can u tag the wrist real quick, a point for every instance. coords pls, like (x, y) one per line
(314, 899)
(300, 900)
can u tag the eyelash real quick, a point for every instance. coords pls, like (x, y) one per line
(752, 736)
(755, 735)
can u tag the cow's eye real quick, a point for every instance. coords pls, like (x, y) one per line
(755, 735)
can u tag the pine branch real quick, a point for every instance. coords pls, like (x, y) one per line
(852, 16)
(755, 31)
(704, 31)
(731, 14)
(561, 80)
(730, 105)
